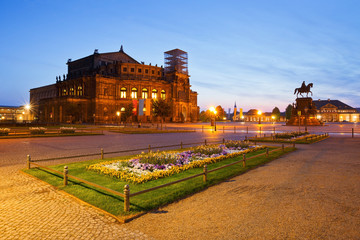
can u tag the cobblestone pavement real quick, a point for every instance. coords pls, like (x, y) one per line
(30, 209)
(310, 194)
(313, 193)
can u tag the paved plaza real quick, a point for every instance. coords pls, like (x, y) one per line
(308, 194)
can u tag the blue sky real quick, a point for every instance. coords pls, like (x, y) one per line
(252, 52)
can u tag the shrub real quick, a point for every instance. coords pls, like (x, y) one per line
(67, 130)
(4, 131)
(37, 130)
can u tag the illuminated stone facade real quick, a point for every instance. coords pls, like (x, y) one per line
(100, 86)
(335, 111)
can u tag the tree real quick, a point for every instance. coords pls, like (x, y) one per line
(276, 113)
(220, 113)
(127, 113)
(161, 109)
(288, 111)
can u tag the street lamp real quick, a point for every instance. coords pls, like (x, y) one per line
(259, 113)
(118, 113)
(212, 109)
(306, 110)
(273, 118)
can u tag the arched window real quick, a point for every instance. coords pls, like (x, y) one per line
(154, 94)
(144, 93)
(163, 94)
(134, 93)
(64, 92)
(122, 92)
(122, 109)
(79, 91)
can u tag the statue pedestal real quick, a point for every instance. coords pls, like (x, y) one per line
(304, 112)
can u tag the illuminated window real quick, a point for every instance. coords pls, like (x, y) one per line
(64, 92)
(144, 93)
(163, 94)
(72, 91)
(144, 109)
(154, 94)
(134, 93)
(122, 109)
(79, 91)
(122, 92)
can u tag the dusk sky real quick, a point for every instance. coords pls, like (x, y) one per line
(252, 52)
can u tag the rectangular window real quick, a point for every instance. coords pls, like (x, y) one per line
(144, 95)
(132, 69)
(139, 70)
(133, 94)
(124, 69)
(146, 71)
(152, 72)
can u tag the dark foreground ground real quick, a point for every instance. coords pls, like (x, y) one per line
(313, 193)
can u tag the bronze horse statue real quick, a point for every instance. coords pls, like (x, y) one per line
(303, 89)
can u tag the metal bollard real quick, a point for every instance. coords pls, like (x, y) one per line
(202, 128)
(244, 160)
(126, 198)
(28, 161)
(66, 175)
(234, 129)
(205, 142)
(267, 152)
(205, 173)
(352, 132)
(259, 131)
(247, 130)
(181, 145)
(149, 148)
(223, 140)
(102, 154)
(223, 129)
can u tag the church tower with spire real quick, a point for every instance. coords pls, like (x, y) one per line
(235, 113)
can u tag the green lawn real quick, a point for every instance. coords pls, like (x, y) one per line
(146, 131)
(280, 140)
(151, 200)
(50, 135)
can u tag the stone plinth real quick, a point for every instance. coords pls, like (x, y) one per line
(308, 113)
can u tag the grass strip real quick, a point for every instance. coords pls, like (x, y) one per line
(151, 200)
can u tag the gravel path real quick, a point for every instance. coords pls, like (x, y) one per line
(313, 193)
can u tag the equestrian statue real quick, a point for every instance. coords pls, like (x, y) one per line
(303, 89)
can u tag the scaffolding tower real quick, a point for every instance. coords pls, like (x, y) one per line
(176, 60)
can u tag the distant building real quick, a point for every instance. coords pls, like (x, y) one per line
(100, 87)
(15, 114)
(335, 111)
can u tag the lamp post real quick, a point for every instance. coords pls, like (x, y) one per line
(212, 109)
(306, 110)
(259, 113)
(118, 113)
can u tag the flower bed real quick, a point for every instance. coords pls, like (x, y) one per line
(37, 130)
(151, 166)
(4, 131)
(67, 130)
(290, 135)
